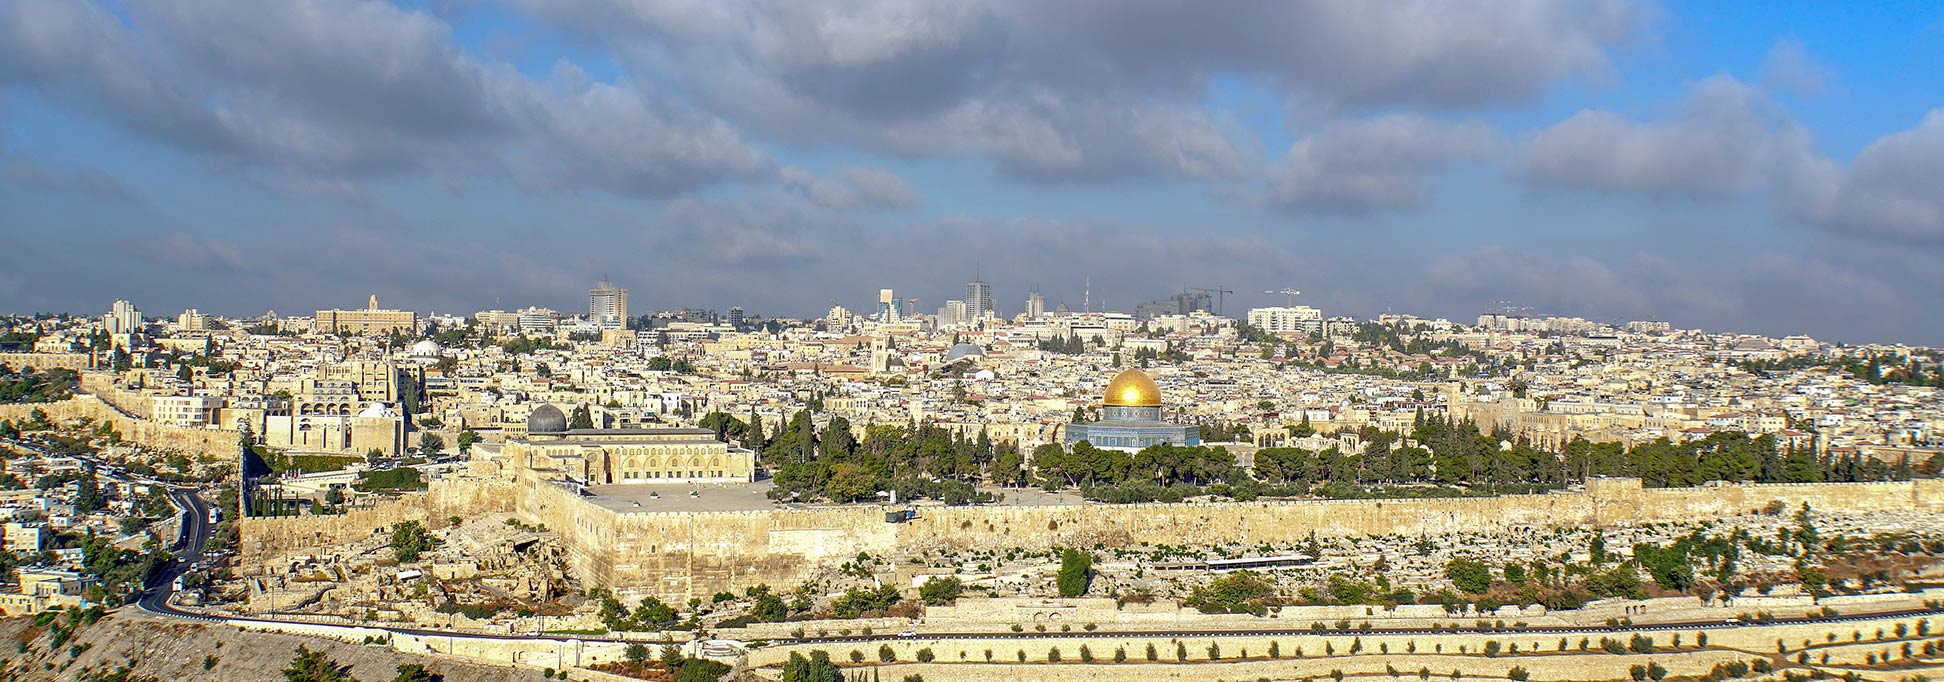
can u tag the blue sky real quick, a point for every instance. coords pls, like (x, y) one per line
(1763, 167)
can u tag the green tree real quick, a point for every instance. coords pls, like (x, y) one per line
(314, 666)
(467, 439)
(637, 653)
(409, 539)
(413, 672)
(816, 668)
(430, 444)
(1076, 571)
(1469, 575)
(941, 591)
(653, 612)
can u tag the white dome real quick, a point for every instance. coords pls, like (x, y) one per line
(426, 348)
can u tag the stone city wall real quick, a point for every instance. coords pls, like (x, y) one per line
(200, 442)
(682, 555)
(265, 538)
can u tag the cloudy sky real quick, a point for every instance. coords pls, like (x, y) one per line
(1751, 166)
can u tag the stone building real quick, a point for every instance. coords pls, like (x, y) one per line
(371, 320)
(551, 451)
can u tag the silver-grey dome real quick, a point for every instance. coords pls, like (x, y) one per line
(963, 350)
(546, 419)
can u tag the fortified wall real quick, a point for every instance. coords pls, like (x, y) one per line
(264, 538)
(681, 555)
(132, 428)
(697, 554)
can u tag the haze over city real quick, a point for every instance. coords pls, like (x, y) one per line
(1738, 166)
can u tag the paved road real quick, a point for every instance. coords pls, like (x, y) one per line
(196, 530)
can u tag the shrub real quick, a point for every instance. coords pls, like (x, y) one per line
(1076, 570)
(925, 655)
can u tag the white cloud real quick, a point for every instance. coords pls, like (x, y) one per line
(1789, 67)
(1723, 143)
(1374, 164)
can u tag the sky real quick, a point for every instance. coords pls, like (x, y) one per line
(1763, 167)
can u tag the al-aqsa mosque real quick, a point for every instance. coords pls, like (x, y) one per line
(1131, 418)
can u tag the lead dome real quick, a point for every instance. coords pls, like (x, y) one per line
(546, 419)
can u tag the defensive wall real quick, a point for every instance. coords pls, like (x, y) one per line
(683, 555)
(264, 538)
(132, 428)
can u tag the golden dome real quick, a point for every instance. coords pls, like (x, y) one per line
(1133, 388)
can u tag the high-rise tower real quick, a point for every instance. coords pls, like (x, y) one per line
(978, 299)
(607, 305)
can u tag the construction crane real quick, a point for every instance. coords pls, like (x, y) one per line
(1221, 296)
(1289, 296)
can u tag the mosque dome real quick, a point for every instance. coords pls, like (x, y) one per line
(963, 350)
(1133, 388)
(546, 419)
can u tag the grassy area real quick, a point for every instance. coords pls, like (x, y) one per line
(390, 480)
(316, 463)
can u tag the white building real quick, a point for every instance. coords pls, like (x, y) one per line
(190, 411)
(1300, 319)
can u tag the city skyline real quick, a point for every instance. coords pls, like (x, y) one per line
(1758, 169)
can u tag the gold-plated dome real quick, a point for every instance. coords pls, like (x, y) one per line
(1133, 388)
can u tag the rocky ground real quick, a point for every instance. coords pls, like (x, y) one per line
(174, 650)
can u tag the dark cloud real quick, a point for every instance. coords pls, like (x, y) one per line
(331, 92)
(1088, 91)
(83, 180)
(1724, 141)
(1371, 165)
(852, 187)
(185, 251)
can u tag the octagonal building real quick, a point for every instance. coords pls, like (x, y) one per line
(1131, 418)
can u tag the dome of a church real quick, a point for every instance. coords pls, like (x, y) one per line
(1133, 388)
(963, 350)
(546, 419)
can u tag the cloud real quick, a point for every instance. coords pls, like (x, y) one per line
(753, 231)
(1789, 67)
(1762, 291)
(83, 180)
(1731, 139)
(331, 92)
(1087, 91)
(1891, 189)
(852, 187)
(190, 252)
(1371, 165)
(1723, 142)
